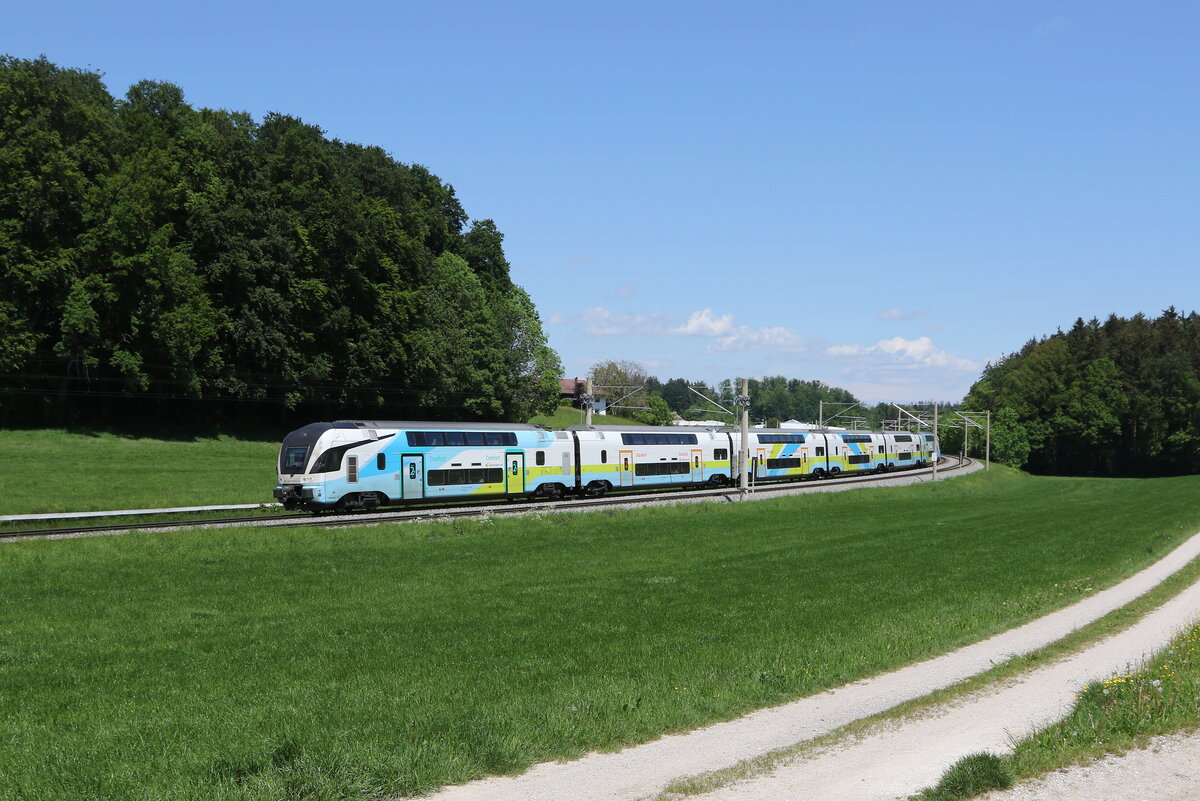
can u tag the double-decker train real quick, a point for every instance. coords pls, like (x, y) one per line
(362, 464)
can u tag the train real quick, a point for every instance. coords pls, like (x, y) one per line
(366, 464)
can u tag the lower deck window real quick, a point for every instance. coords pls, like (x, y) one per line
(859, 459)
(661, 469)
(905, 457)
(474, 475)
(784, 464)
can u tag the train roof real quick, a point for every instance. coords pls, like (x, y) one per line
(442, 426)
(636, 429)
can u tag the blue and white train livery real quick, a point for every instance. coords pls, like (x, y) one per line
(366, 464)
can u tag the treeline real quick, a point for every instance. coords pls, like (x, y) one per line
(1118, 398)
(158, 260)
(773, 399)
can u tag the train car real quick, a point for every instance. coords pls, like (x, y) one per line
(639, 457)
(365, 464)
(777, 454)
(857, 451)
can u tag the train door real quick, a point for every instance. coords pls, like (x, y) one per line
(626, 468)
(762, 463)
(412, 477)
(514, 473)
(697, 466)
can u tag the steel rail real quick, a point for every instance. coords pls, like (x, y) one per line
(498, 507)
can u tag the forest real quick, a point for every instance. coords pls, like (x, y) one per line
(1118, 398)
(159, 261)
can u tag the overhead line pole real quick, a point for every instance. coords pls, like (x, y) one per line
(743, 401)
(937, 440)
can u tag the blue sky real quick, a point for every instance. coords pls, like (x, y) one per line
(882, 196)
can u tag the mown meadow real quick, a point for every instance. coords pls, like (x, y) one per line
(59, 471)
(365, 662)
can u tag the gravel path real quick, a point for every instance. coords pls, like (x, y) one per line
(899, 759)
(1167, 770)
(892, 763)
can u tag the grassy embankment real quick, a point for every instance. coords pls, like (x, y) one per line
(392, 659)
(566, 416)
(58, 471)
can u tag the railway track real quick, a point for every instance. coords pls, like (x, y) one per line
(945, 465)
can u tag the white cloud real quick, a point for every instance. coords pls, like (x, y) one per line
(602, 322)
(626, 291)
(702, 323)
(743, 337)
(900, 352)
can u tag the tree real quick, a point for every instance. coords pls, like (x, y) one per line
(677, 395)
(1010, 441)
(658, 412)
(1115, 398)
(624, 383)
(156, 257)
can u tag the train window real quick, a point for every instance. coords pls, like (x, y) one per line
(603, 457)
(455, 438)
(294, 459)
(434, 438)
(820, 451)
(784, 464)
(859, 459)
(494, 438)
(380, 461)
(541, 457)
(904, 457)
(475, 438)
(720, 454)
(775, 439)
(662, 469)
(474, 475)
(881, 449)
(903, 438)
(352, 469)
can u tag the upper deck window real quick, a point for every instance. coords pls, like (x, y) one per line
(659, 439)
(438, 439)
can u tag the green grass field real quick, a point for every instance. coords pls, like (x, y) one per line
(57, 471)
(359, 663)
